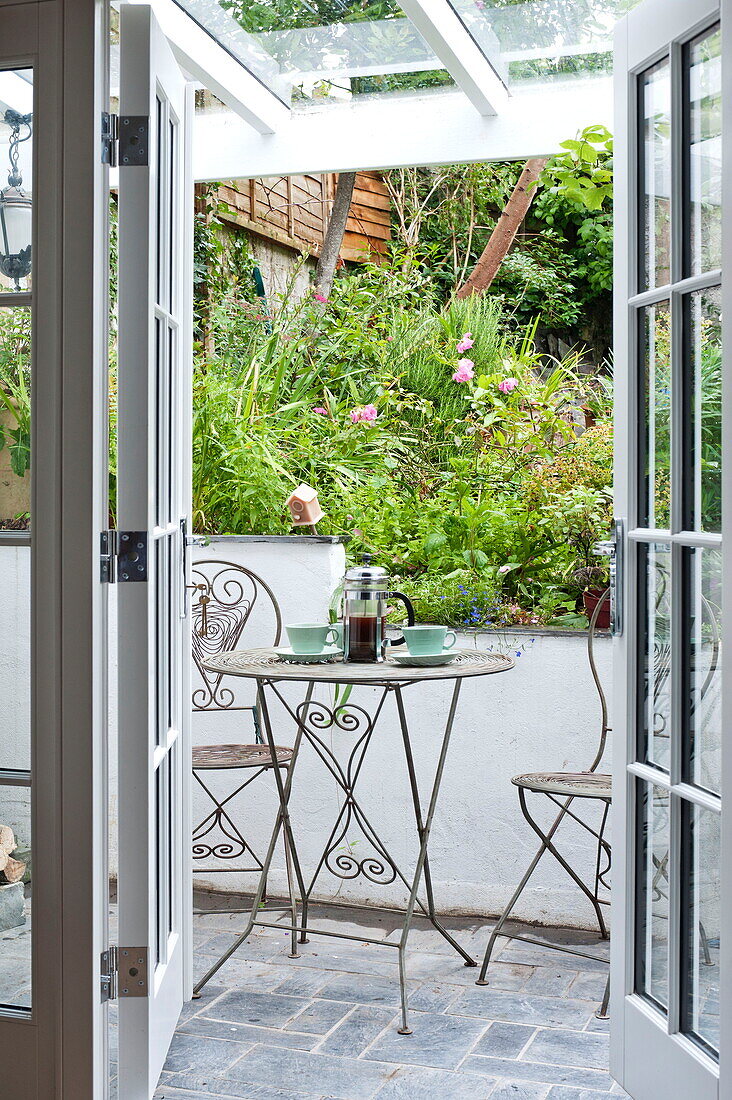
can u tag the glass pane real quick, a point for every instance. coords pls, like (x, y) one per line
(704, 60)
(652, 905)
(655, 412)
(16, 178)
(163, 858)
(655, 175)
(654, 688)
(318, 50)
(702, 925)
(159, 199)
(15, 659)
(15, 900)
(15, 419)
(702, 631)
(703, 411)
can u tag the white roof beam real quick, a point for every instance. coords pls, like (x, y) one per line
(397, 131)
(444, 31)
(203, 58)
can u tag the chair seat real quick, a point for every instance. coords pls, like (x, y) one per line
(238, 756)
(577, 784)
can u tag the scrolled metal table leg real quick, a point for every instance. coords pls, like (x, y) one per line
(469, 960)
(284, 794)
(425, 836)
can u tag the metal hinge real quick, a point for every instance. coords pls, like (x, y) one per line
(110, 135)
(133, 140)
(122, 556)
(124, 972)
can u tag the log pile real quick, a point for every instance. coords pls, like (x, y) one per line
(11, 869)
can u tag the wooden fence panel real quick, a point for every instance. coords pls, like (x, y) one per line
(293, 211)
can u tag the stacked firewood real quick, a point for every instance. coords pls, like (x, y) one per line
(11, 869)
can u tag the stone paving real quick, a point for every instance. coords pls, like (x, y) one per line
(324, 1026)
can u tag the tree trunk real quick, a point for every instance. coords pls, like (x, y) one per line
(333, 239)
(505, 231)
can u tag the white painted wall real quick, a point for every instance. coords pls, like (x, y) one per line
(15, 684)
(544, 714)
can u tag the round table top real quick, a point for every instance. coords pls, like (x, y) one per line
(264, 664)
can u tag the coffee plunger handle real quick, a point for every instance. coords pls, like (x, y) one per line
(410, 614)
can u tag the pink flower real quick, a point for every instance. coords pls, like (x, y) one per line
(390, 337)
(466, 342)
(464, 372)
(504, 569)
(508, 385)
(366, 415)
(319, 298)
(320, 410)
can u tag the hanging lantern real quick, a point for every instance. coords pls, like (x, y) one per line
(16, 209)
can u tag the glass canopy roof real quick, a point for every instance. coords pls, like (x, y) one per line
(304, 50)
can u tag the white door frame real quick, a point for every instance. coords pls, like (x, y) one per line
(59, 1049)
(725, 997)
(154, 388)
(644, 1058)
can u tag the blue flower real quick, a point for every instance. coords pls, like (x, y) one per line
(518, 652)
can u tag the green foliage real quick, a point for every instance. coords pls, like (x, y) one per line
(541, 281)
(463, 601)
(15, 386)
(444, 484)
(583, 174)
(559, 271)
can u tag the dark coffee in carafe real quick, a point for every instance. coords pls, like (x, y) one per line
(362, 638)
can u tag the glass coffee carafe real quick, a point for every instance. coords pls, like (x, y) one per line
(367, 592)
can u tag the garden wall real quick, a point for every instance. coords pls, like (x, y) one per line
(543, 714)
(15, 682)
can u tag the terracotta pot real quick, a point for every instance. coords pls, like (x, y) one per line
(590, 599)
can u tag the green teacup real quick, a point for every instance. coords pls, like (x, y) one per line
(311, 637)
(425, 641)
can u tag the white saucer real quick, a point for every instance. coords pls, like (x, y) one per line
(328, 653)
(424, 660)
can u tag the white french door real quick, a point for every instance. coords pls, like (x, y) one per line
(670, 913)
(154, 385)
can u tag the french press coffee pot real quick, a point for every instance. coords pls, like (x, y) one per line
(366, 592)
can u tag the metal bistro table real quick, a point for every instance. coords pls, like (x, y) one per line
(312, 719)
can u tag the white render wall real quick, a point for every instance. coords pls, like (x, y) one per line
(542, 715)
(15, 727)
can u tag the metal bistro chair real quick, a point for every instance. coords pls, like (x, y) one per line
(227, 595)
(564, 789)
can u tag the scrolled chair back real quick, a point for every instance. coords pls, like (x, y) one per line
(227, 599)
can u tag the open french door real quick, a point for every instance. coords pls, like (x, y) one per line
(154, 385)
(672, 896)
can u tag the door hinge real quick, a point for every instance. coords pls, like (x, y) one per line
(122, 556)
(110, 138)
(133, 140)
(124, 972)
